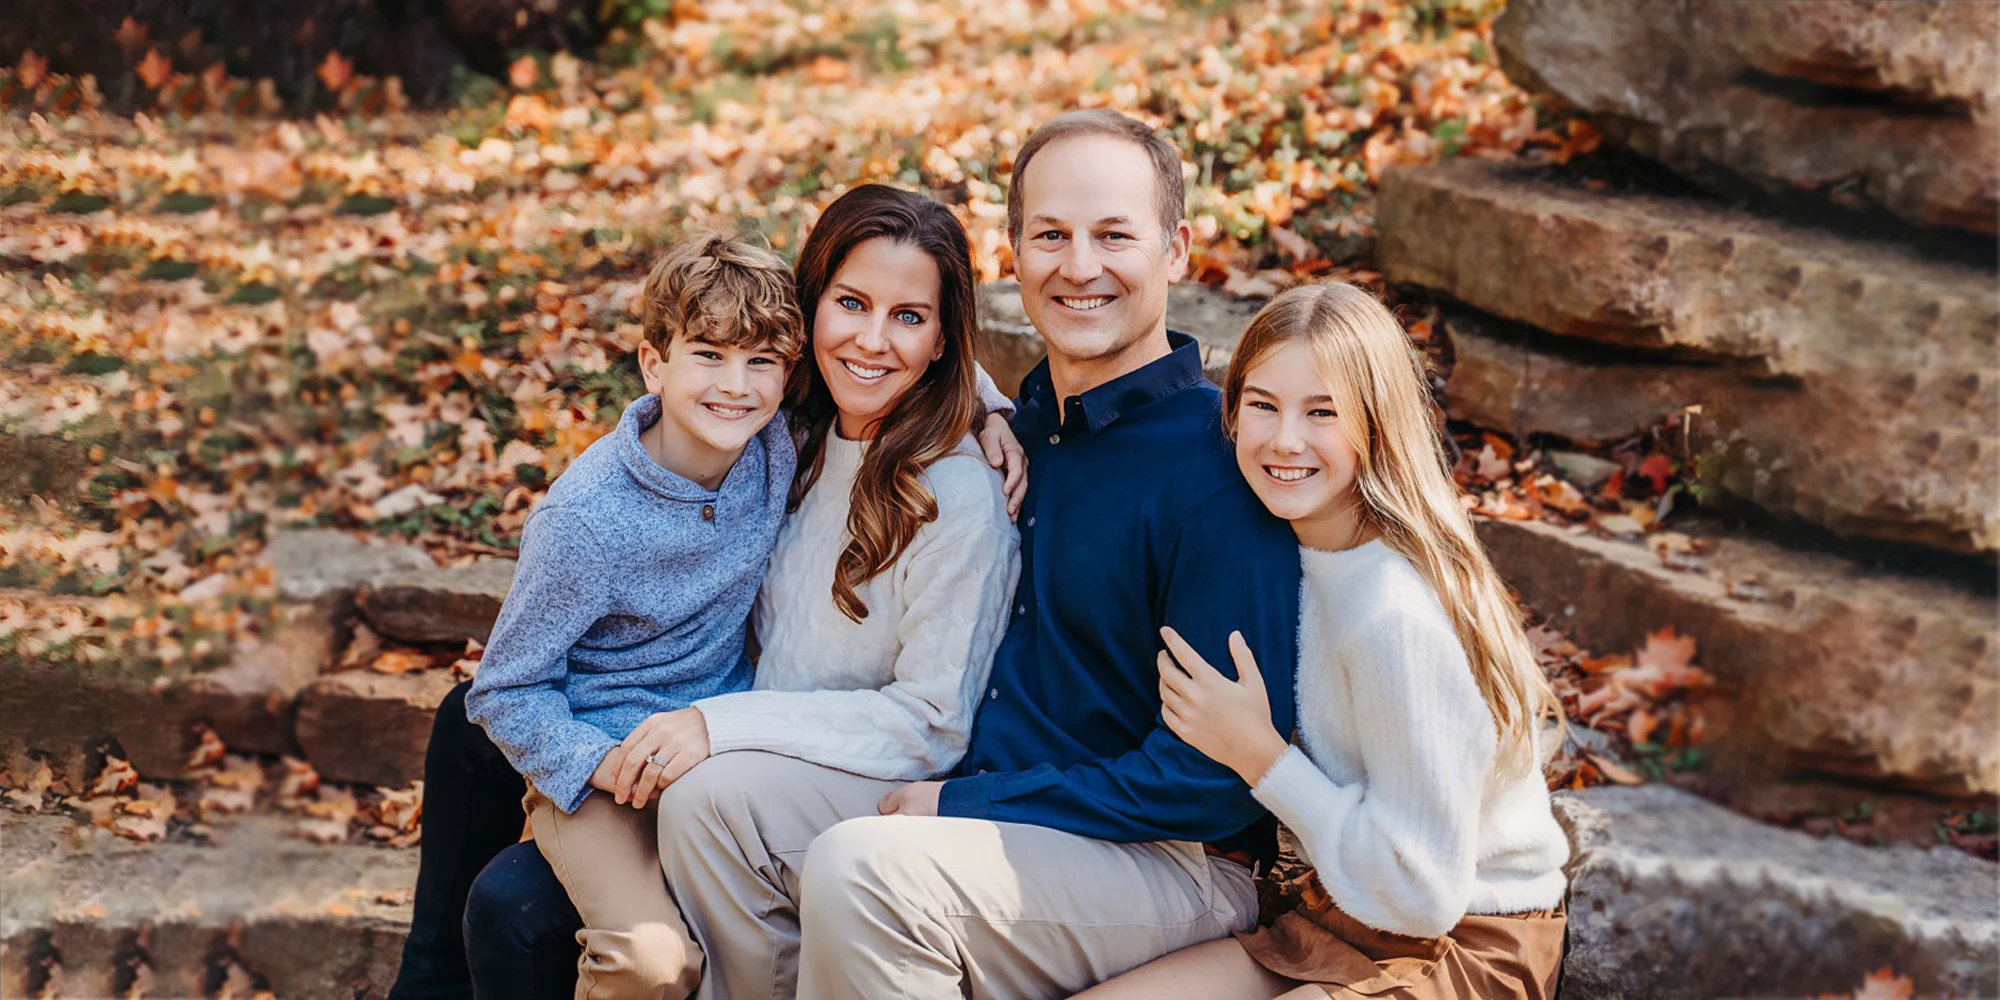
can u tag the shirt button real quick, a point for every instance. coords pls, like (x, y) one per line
(994, 694)
(1020, 609)
(708, 512)
(1031, 521)
(1055, 439)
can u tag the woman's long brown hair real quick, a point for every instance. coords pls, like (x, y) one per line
(890, 501)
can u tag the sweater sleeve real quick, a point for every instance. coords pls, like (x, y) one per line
(959, 574)
(518, 696)
(1397, 852)
(990, 396)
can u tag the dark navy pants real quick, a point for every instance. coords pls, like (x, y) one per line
(489, 918)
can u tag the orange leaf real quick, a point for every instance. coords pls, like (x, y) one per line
(335, 71)
(524, 72)
(155, 70)
(32, 70)
(1666, 648)
(1659, 469)
(399, 661)
(1614, 771)
(130, 36)
(1884, 984)
(827, 69)
(1640, 724)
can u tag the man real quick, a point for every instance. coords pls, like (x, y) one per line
(1079, 837)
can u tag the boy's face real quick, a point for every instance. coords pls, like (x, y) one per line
(713, 397)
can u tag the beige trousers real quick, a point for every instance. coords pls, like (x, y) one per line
(634, 943)
(798, 888)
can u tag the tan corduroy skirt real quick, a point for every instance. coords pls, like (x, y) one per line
(1510, 957)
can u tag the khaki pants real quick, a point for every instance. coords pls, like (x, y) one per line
(634, 943)
(797, 887)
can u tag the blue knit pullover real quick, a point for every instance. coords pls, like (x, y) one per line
(629, 598)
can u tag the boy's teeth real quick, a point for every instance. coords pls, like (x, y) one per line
(868, 373)
(1089, 303)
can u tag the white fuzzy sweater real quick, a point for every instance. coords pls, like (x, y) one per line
(891, 696)
(1394, 799)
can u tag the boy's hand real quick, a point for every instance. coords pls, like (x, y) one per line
(658, 752)
(1003, 452)
(606, 778)
(918, 798)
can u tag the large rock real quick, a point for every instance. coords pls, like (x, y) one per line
(1683, 84)
(440, 605)
(1681, 276)
(1922, 53)
(1908, 456)
(1831, 667)
(312, 920)
(1673, 897)
(367, 727)
(1009, 346)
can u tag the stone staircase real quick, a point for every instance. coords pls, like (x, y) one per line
(1788, 281)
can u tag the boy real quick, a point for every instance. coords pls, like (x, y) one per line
(636, 574)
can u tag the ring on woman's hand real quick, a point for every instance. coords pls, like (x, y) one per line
(655, 759)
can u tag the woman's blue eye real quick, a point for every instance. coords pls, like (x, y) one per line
(1264, 406)
(909, 317)
(848, 302)
(1321, 413)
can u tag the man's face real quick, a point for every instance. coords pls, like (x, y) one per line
(1093, 263)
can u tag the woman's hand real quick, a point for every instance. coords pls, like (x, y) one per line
(918, 798)
(1003, 452)
(679, 739)
(1230, 721)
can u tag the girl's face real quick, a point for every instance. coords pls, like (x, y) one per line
(1293, 448)
(876, 329)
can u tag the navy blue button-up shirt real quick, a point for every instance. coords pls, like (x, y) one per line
(1136, 517)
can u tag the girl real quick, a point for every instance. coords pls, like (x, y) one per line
(1416, 791)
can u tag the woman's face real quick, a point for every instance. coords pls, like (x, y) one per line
(876, 329)
(1292, 448)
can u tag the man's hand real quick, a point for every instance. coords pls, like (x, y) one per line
(1003, 452)
(915, 799)
(658, 752)
(606, 778)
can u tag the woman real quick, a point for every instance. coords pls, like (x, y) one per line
(886, 594)
(1417, 793)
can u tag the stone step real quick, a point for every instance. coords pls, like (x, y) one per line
(299, 919)
(1829, 667)
(1674, 897)
(275, 696)
(1689, 85)
(1901, 456)
(1683, 277)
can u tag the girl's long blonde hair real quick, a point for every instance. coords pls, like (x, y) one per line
(1403, 479)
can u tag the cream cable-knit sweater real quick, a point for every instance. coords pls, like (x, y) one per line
(1394, 799)
(893, 695)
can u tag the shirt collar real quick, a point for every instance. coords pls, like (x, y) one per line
(639, 416)
(1104, 404)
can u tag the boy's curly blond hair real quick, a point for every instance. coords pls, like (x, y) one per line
(722, 291)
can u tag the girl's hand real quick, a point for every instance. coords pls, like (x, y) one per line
(1230, 721)
(1003, 452)
(658, 752)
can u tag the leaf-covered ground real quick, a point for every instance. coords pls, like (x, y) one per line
(217, 319)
